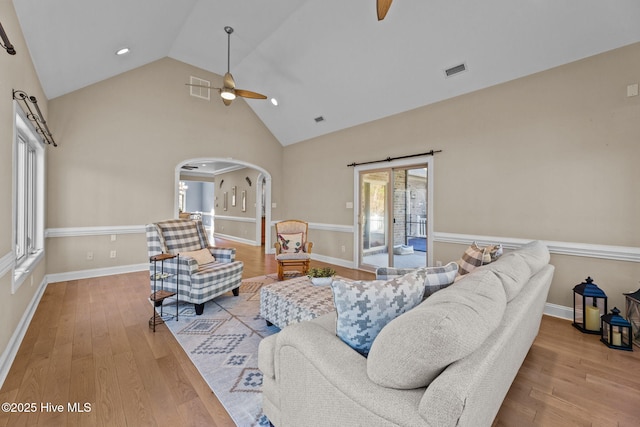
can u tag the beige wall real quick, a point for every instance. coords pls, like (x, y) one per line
(16, 72)
(234, 221)
(120, 143)
(552, 156)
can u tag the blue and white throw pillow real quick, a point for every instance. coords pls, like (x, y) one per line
(365, 307)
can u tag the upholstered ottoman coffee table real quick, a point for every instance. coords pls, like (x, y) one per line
(294, 300)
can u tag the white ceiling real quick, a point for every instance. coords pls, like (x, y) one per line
(329, 58)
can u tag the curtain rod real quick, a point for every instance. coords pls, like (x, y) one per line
(38, 119)
(388, 159)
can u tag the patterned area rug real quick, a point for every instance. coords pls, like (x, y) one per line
(223, 344)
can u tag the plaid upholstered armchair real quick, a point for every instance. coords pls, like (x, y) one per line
(205, 271)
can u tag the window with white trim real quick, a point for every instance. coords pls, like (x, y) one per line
(28, 196)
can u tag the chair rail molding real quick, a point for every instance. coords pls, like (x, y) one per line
(94, 231)
(234, 218)
(616, 253)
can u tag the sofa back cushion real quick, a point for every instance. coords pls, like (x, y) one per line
(535, 254)
(414, 348)
(513, 271)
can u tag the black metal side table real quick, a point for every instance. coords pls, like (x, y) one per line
(159, 295)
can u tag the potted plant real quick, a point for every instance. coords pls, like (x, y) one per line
(321, 276)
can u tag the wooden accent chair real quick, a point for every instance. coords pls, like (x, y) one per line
(293, 250)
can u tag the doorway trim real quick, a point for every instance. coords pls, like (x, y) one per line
(258, 189)
(429, 161)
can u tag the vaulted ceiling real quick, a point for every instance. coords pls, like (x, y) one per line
(329, 58)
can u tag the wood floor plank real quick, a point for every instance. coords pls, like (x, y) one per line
(89, 342)
(83, 391)
(109, 395)
(138, 409)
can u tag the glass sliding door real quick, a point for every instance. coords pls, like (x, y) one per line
(374, 219)
(393, 217)
(409, 217)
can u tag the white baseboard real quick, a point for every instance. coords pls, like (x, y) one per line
(335, 261)
(9, 354)
(236, 239)
(96, 272)
(560, 311)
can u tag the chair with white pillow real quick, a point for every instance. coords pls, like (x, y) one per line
(203, 272)
(293, 250)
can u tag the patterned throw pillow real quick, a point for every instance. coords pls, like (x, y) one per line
(475, 256)
(202, 256)
(439, 278)
(291, 243)
(365, 307)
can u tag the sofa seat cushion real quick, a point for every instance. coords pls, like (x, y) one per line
(289, 256)
(414, 348)
(365, 307)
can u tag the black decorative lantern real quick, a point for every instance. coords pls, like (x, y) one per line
(616, 331)
(589, 304)
(633, 315)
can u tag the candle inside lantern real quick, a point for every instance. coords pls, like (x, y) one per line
(592, 318)
(616, 338)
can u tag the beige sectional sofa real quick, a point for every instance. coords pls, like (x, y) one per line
(447, 362)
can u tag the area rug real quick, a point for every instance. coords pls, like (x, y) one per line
(223, 345)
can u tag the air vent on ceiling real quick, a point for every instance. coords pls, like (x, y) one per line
(200, 92)
(319, 119)
(455, 70)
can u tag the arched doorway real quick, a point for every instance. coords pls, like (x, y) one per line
(261, 187)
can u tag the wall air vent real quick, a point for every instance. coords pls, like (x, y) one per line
(455, 70)
(200, 92)
(319, 119)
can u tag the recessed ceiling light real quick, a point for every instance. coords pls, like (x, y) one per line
(274, 101)
(122, 51)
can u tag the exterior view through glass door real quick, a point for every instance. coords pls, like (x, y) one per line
(393, 217)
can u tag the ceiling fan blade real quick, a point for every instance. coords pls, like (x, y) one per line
(228, 81)
(249, 94)
(383, 8)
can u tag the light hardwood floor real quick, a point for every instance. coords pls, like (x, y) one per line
(89, 342)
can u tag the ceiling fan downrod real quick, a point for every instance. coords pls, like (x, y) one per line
(228, 30)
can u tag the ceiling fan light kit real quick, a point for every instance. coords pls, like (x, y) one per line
(227, 94)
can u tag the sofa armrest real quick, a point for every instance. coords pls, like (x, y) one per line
(311, 365)
(223, 254)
